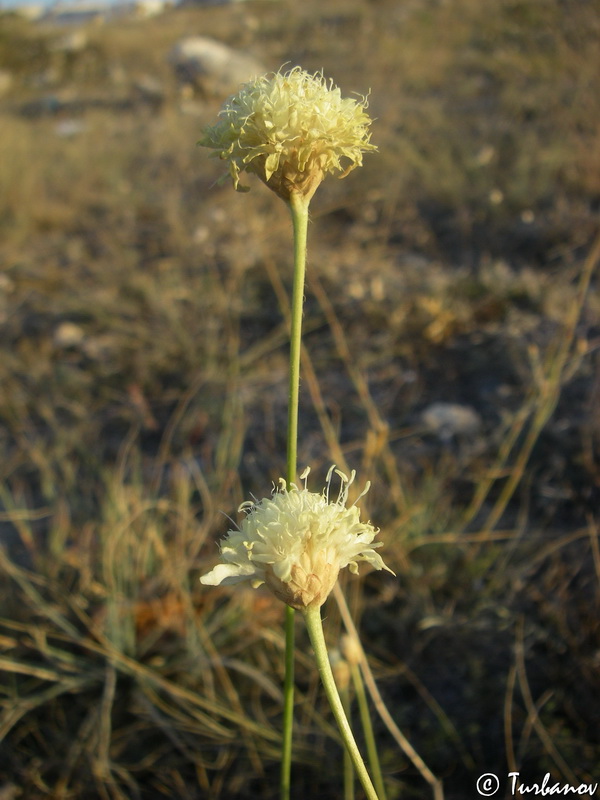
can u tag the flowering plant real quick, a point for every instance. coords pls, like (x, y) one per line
(296, 542)
(290, 129)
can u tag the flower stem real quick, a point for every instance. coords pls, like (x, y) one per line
(312, 615)
(365, 718)
(288, 706)
(299, 210)
(348, 768)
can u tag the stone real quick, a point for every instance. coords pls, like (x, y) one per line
(211, 67)
(447, 420)
(67, 335)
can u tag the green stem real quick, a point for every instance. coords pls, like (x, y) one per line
(288, 706)
(299, 212)
(348, 768)
(312, 615)
(370, 743)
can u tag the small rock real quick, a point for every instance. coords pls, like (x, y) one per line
(68, 334)
(446, 420)
(67, 128)
(212, 67)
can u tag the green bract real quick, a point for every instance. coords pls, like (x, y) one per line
(291, 129)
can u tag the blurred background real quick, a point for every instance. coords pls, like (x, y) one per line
(452, 324)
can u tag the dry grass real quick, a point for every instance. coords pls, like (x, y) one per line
(143, 373)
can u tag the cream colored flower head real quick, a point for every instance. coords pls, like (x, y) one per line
(291, 129)
(296, 542)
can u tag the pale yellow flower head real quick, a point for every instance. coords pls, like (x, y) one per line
(296, 542)
(291, 129)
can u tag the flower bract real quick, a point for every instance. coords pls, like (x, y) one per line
(290, 129)
(296, 542)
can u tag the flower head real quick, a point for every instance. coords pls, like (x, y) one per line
(290, 129)
(296, 542)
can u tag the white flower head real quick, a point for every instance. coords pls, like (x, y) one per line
(296, 542)
(290, 129)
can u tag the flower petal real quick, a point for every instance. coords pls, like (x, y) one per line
(228, 574)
